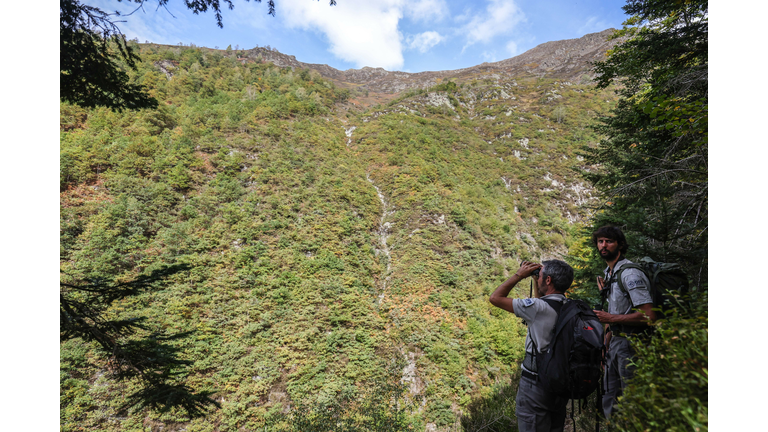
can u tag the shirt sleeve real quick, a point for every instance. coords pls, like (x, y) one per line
(525, 308)
(638, 286)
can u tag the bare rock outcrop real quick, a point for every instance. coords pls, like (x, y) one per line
(566, 59)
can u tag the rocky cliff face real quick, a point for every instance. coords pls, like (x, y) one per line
(566, 59)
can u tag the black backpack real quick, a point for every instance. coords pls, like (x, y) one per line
(669, 283)
(572, 366)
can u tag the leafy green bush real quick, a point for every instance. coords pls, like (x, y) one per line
(494, 413)
(382, 407)
(669, 389)
(448, 86)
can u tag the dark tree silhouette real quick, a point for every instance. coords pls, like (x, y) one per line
(94, 53)
(653, 157)
(152, 360)
(90, 49)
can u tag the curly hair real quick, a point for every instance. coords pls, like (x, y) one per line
(613, 233)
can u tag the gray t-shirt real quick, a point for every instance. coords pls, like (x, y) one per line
(636, 284)
(540, 318)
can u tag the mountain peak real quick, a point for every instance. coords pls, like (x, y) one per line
(568, 59)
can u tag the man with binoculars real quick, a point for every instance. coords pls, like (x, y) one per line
(537, 409)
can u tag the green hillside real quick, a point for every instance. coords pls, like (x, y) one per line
(331, 249)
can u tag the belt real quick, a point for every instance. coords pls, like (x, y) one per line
(618, 328)
(530, 375)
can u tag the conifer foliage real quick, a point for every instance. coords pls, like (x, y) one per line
(84, 313)
(653, 171)
(654, 154)
(95, 55)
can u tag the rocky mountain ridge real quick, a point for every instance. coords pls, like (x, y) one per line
(568, 59)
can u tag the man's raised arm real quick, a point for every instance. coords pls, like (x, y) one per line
(499, 297)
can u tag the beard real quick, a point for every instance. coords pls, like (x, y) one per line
(608, 255)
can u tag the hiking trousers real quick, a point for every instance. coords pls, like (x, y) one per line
(537, 410)
(617, 370)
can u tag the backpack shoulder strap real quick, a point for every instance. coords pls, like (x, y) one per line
(555, 304)
(577, 307)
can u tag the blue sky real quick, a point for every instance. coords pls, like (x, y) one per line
(403, 35)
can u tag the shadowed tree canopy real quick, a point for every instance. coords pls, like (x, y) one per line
(153, 360)
(94, 53)
(653, 174)
(654, 155)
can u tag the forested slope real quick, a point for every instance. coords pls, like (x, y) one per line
(324, 241)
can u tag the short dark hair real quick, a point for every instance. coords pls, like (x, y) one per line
(560, 272)
(613, 233)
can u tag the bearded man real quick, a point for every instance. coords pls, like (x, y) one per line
(629, 311)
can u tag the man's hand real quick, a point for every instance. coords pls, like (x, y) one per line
(499, 297)
(604, 316)
(639, 318)
(526, 268)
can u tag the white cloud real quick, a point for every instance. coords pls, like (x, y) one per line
(426, 10)
(366, 32)
(361, 32)
(500, 17)
(489, 56)
(424, 41)
(464, 16)
(512, 48)
(592, 25)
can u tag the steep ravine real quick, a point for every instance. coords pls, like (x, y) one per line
(383, 233)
